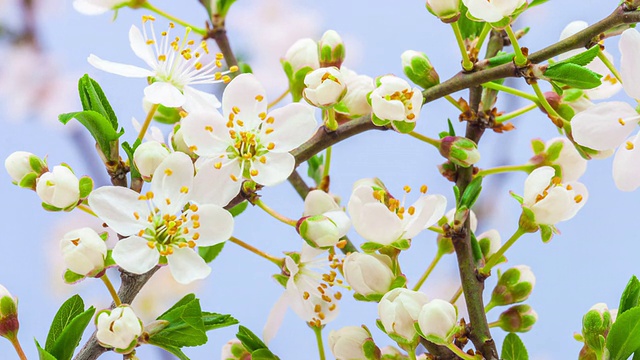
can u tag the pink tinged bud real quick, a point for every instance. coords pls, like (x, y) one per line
(459, 150)
(514, 286)
(418, 68)
(553, 99)
(118, 329)
(398, 311)
(83, 251)
(59, 188)
(331, 49)
(518, 318)
(445, 10)
(437, 320)
(234, 350)
(148, 157)
(325, 87)
(9, 324)
(368, 274)
(351, 342)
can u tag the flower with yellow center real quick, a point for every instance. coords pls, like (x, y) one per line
(395, 103)
(165, 224)
(247, 142)
(175, 65)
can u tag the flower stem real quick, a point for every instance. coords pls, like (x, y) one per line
(330, 119)
(493, 260)
(555, 117)
(609, 66)
(427, 272)
(467, 65)
(318, 331)
(456, 350)
(276, 260)
(168, 16)
(516, 113)
(456, 296)
(16, 345)
(489, 306)
(453, 102)
(327, 162)
(426, 139)
(86, 209)
(483, 35)
(520, 59)
(504, 169)
(112, 290)
(280, 98)
(411, 351)
(495, 324)
(147, 121)
(510, 90)
(275, 214)
(436, 229)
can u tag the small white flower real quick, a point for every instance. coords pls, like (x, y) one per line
(18, 165)
(97, 7)
(175, 65)
(395, 102)
(354, 103)
(493, 11)
(247, 142)
(156, 224)
(382, 219)
(324, 87)
(59, 188)
(551, 201)
(148, 157)
(368, 274)
(324, 220)
(437, 318)
(444, 9)
(302, 54)
(348, 342)
(83, 251)
(118, 329)
(399, 310)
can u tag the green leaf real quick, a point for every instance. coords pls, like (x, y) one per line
(636, 355)
(624, 335)
(456, 192)
(186, 327)
(501, 58)
(630, 296)
(370, 247)
(239, 209)
(537, 145)
(67, 328)
(209, 253)
(130, 150)
(573, 75)
(470, 29)
(475, 249)
(402, 244)
(582, 59)
(314, 170)
(452, 131)
(249, 340)
(216, 321)
(513, 348)
(173, 350)
(546, 233)
(71, 308)
(263, 354)
(42, 353)
(71, 278)
(99, 127)
(93, 99)
(471, 193)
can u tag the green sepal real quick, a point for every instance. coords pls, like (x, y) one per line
(238, 209)
(50, 207)
(36, 164)
(546, 233)
(537, 146)
(281, 279)
(468, 28)
(314, 170)
(380, 326)
(130, 150)
(452, 131)
(71, 278)
(295, 256)
(8, 306)
(104, 236)
(402, 244)
(370, 247)
(379, 122)
(29, 181)
(42, 353)
(572, 95)
(517, 197)
(244, 67)
(404, 127)
(566, 111)
(67, 328)
(553, 152)
(398, 282)
(371, 351)
(371, 297)
(86, 186)
(186, 327)
(471, 193)
(254, 345)
(630, 296)
(513, 348)
(624, 336)
(108, 260)
(573, 75)
(209, 253)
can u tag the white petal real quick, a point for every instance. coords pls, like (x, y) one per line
(164, 93)
(187, 266)
(216, 225)
(275, 170)
(207, 131)
(387, 109)
(117, 206)
(319, 202)
(243, 93)
(626, 165)
(428, 210)
(172, 182)
(342, 221)
(536, 183)
(581, 190)
(118, 68)
(215, 186)
(293, 125)
(196, 100)
(276, 316)
(555, 207)
(133, 255)
(600, 127)
(485, 10)
(140, 47)
(630, 57)
(610, 85)
(377, 224)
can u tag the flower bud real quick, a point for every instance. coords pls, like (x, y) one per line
(459, 150)
(59, 188)
(518, 318)
(398, 310)
(331, 49)
(354, 103)
(324, 87)
(20, 164)
(368, 274)
(596, 323)
(394, 102)
(118, 329)
(234, 350)
(437, 320)
(9, 324)
(148, 156)
(446, 10)
(418, 68)
(178, 143)
(300, 59)
(83, 251)
(319, 231)
(490, 242)
(352, 342)
(514, 286)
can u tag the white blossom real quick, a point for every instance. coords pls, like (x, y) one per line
(493, 11)
(148, 157)
(97, 7)
(324, 87)
(324, 222)
(59, 188)
(83, 251)
(348, 342)
(437, 318)
(394, 102)
(118, 329)
(368, 274)
(399, 310)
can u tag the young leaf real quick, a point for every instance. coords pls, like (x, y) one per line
(249, 340)
(42, 353)
(582, 59)
(71, 308)
(185, 328)
(513, 348)
(630, 296)
(99, 127)
(573, 75)
(93, 98)
(173, 350)
(239, 209)
(537, 2)
(471, 193)
(624, 336)
(209, 253)
(70, 337)
(216, 321)
(129, 150)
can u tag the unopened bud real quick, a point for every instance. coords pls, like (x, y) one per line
(118, 329)
(368, 274)
(148, 157)
(398, 311)
(319, 231)
(83, 251)
(553, 99)
(446, 10)
(353, 342)
(437, 321)
(595, 326)
(459, 150)
(418, 68)
(9, 324)
(331, 49)
(490, 242)
(514, 286)
(24, 168)
(234, 350)
(518, 318)
(300, 59)
(324, 87)
(59, 188)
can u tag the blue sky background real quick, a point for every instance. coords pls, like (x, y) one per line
(590, 262)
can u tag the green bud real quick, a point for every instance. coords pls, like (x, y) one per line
(418, 68)
(459, 150)
(518, 318)
(514, 286)
(595, 326)
(331, 49)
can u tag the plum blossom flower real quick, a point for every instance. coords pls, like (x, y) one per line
(118, 329)
(382, 219)
(493, 11)
(59, 188)
(175, 65)
(247, 142)
(437, 319)
(399, 310)
(324, 222)
(157, 226)
(395, 102)
(97, 7)
(84, 251)
(324, 87)
(349, 343)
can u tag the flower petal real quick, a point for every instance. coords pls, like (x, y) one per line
(626, 165)
(605, 125)
(140, 47)
(187, 266)
(117, 206)
(319, 202)
(555, 207)
(172, 182)
(197, 100)
(377, 224)
(207, 131)
(293, 125)
(215, 186)
(246, 94)
(164, 93)
(629, 58)
(276, 316)
(118, 68)
(536, 183)
(134, 255)
(216, 225)
(276, 168)
(428, 210)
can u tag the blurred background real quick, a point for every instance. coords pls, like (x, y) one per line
(43, 52)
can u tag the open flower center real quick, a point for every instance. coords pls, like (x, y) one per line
(323, 299)
(394, 205)
(556, 182)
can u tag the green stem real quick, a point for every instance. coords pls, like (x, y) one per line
(318, 331)
(411, 351)
(147, 5)
(86, 209)
(436, 229)
(489, 306)
(112, 290)
(275, 214)
(453, 102)
(427, 272)
(327, 162)
(510, 90)
(520, 59)
(493, 260)
(16, 345)
(504, 169)
(426, 139)
(276, 260)
(330, 119)
(456, 350)
(553, 115)
(147, 121)
(516, 113)
(467, 65)
(483, 35)
(495, 324)
(609, 65)
(456, 296)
